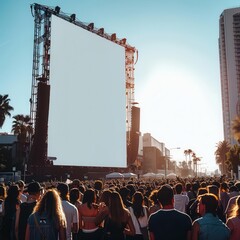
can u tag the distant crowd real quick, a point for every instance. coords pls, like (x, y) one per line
(134, 209)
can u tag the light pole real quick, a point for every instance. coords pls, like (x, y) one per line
(14, 170)
(167, 157)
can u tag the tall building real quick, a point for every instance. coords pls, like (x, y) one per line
(229, 52)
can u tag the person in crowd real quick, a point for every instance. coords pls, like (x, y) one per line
(71, 212)
(209, 226)
(48, 219)
(233, 191)
(98, 186)
(234, 222)
(125, 195)
(192, 209)
(22, 196)
(2, 198)
(139, 213)
(189, 191)
(10, 206)
(155, 206)
(26, 208)
(215, 190)
(87, 216)
(224, 195)
(75, 196)
(118, 222)
(232, 200)
(180, 200)
(169, 223)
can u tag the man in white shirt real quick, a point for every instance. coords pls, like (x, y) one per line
(180, 200)
(69, 209)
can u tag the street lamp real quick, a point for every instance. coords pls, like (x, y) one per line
(167, 157)
(14, 170)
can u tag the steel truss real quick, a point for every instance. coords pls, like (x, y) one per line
(42, 49)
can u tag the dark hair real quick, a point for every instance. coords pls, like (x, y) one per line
(165, 195)
(214, 190)
(89, 197)
(137, 205)
(74, 195)
(178, 188)
(202, 191)
(98, 185)
(105, 197)
(211, 203)
(188, 187)
(64, 191)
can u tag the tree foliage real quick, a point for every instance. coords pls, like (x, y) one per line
(5, 108)
(221, 155)
(236, 128)
(233, 158)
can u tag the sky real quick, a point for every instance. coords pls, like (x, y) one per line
(177, 75)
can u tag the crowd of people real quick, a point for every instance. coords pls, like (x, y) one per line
(134, 209)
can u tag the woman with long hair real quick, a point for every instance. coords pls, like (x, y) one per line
(48, 219)
(234, 222)
(87, 216)
(139, 213)
(9, 208)
(119, 222)
(155, 205)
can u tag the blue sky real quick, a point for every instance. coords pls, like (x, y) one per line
(177, 76)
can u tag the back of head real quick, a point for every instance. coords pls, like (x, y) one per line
(105, 197)
(74, 195)
(178, 188)
(195, 186)
(214, 190)
(237, 184)
(137, 198)
(98, 185)
(188, 186)
(124, 192)
(13, 192)
(165, 195)
(34, 188)
(89, 197)
(51, 204)
(224, 186)
(63, 190)
(202, 191)
(211, 203)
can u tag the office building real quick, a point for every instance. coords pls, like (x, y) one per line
(229, 53)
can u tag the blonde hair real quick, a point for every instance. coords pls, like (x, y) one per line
(236, 209)
(51, 204)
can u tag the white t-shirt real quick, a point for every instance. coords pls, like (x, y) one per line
(180, 202)
(71, 214)
(143, 221)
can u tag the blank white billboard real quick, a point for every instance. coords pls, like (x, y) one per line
(87, 112)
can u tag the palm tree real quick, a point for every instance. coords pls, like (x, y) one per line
(220, 154)
(236, 128)
(233, 159)
(5, 108)
(188, 152)
(22, 127)
(195, 160)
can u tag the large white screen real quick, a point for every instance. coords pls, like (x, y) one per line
(87, 113)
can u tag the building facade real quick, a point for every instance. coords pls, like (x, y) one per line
(229, 53)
